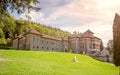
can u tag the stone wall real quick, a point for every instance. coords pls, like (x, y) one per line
(104, 58)
(15, 43)
(40, 42)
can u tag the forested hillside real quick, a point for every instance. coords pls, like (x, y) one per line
(9, 26)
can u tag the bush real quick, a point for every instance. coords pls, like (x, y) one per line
(1, 33)
(2, 41)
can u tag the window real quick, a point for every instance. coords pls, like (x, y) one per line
(33, 46)
(38, 40)
(52, 48)
(37, 47)
(73, 51)
(66, 50)
(33, 39)
(47, 48)
(47, 42)
(90, 46)
(52, 43)
(93, 46)
(42, 41)
(42, 47)
(24, 45)
(83, 46)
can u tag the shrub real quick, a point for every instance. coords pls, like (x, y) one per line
(2, 41)
(6, 47)
(1, 33)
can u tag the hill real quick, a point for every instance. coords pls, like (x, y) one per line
(11, 26)
(13, 62)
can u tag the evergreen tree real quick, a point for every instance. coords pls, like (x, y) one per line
(116, 41)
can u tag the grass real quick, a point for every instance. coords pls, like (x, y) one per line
(51, 63)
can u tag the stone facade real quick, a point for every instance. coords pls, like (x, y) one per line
(110, 45)
(81, 43)
(84, 43)
(33, 40)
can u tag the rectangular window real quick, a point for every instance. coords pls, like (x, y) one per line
(37, 47)
(33, 46)
(52, 43)
(42, 41)
(47, 42)
(33, 39)
(52, 49)
(42, 47)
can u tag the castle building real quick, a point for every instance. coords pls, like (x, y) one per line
(110, 45)
(33, 40)
(83, 43)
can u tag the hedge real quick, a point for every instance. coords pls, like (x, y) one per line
(6, 47)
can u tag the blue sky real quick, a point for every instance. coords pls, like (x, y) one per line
(77, 15)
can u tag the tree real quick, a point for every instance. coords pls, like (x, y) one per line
(7, 24)
(2, 40)
(116, 41)
(1, 33)
(19, 5)
(101, 46)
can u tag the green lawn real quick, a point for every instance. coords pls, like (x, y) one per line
(14, 62)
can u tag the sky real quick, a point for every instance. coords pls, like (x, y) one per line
(78, 15)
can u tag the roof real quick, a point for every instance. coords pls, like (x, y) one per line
(71, 37)
(64, 38)
(34, 32)
(52, 38)
(20, 36)
(83, 35)
(92, 37)
(88, 31)
(97, 37)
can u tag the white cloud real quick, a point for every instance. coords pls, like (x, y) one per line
(79, 15)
